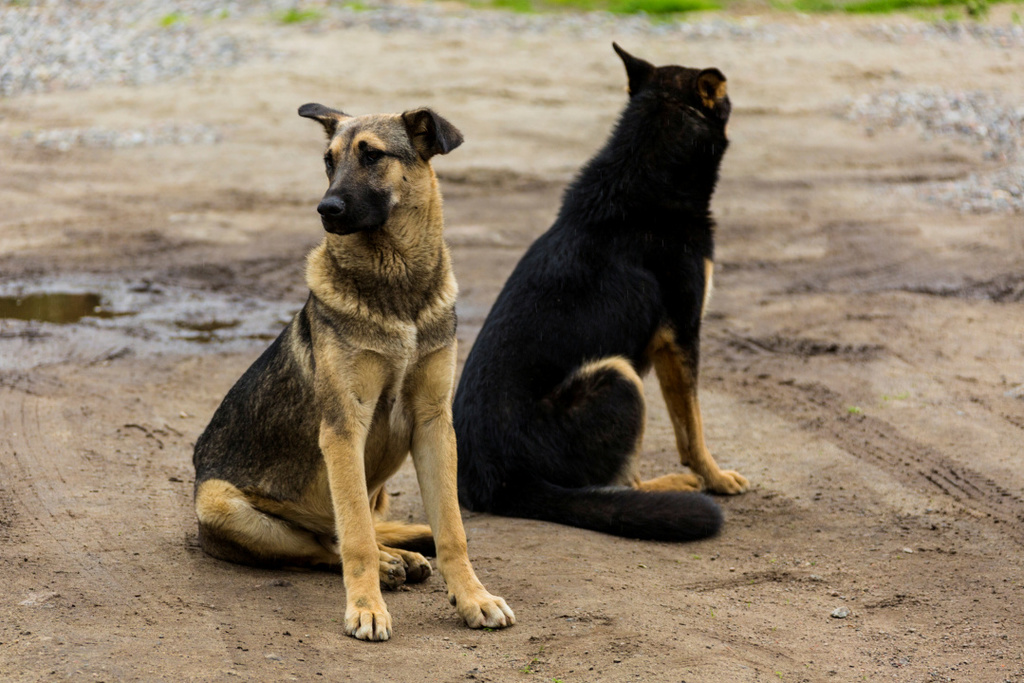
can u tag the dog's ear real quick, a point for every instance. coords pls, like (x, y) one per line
(329, 118)
(638, 71)
(713, 93)
(430, 133)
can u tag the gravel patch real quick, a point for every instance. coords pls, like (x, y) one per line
(63, 139)
(956, 32)
(979, 118)
(54, 44)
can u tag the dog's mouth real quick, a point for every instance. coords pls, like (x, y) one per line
(347, 227)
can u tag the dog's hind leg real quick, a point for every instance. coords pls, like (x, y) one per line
(231, 529)
(591, 426)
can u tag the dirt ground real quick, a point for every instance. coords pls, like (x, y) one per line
(863, 365)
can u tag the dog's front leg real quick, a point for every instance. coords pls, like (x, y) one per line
(343, 431)
(677, 375)
(434, 455)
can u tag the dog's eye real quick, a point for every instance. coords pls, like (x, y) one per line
(329, 164)
(372, 156)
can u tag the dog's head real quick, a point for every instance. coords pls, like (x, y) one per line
(697, 96)
(375, 163)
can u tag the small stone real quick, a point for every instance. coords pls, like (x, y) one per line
(840, 613)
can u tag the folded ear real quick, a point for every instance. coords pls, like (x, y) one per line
(430, 133)
(638, 71)
(712, 91)
(329, 118)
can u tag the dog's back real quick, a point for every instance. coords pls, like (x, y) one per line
(625, 254)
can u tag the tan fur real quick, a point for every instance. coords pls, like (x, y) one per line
(679, 481)
(712, 89)
(709, 274)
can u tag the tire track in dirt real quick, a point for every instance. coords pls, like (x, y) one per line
(49, 519)
(821, 411)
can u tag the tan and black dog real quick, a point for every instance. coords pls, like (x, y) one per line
(550, 409)
(290, 471)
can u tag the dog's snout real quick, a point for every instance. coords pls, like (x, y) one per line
(331, 207)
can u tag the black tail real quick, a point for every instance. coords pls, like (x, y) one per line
(647, 515)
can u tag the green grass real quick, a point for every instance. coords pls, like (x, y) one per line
(954, 10)
(886, 6)
(172, 19)
(297, 16)
(514, 5)
(662, 6)
(653, 7)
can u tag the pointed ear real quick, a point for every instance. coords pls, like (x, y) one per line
(638, 71)
(713, 93)
(430, 133)
(329, 118)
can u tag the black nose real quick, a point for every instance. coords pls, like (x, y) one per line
(331, 207)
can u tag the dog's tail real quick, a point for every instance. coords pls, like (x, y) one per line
(414, 537)
(621, 511)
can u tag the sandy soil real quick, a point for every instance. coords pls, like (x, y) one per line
(863, 367)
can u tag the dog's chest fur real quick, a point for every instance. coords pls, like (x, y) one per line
(388, 319)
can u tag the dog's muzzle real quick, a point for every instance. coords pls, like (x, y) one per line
(333, 215)
(345, 213)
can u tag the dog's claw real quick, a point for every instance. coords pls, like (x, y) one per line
(485, 611)
(368, 624)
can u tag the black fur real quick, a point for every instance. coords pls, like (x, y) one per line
(268, 421)
(624, 259)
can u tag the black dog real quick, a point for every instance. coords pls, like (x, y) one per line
(550, 410)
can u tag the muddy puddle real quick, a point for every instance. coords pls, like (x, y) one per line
(53, 307)
(92, 320)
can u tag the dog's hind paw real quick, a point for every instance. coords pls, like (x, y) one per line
(392, 571)
(366, 621)
(417, 568)
(483, 610)
(727, 482)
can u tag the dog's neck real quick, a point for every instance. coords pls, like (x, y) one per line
(406, 255)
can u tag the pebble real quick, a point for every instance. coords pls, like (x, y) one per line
(840, 613)
(979, 118)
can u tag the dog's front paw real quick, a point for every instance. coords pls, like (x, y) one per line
(483, 610)
(392, 571)
(727, 482)
(367, 619)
